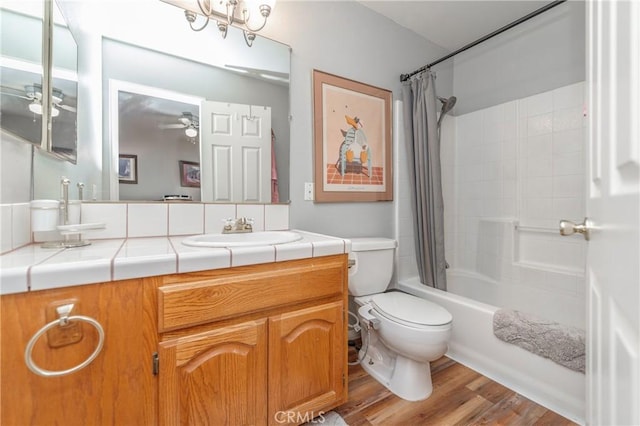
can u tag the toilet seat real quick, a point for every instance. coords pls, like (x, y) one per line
(410, 310)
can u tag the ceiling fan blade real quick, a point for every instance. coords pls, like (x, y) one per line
(15, 95)
(67, 108)
(171, 126)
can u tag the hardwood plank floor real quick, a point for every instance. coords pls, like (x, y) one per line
(460, 396)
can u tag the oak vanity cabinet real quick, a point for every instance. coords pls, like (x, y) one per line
(250, 345)
(261, 344)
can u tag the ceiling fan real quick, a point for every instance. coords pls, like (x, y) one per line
(33, 93)
(187, 121)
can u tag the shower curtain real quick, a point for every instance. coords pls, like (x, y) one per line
(423, 152)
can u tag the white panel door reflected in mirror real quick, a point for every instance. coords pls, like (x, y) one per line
(236, 153)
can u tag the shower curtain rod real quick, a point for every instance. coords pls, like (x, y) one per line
(405, 77)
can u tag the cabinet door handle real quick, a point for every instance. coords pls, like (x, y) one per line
(155, 364)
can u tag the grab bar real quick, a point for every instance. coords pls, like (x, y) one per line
(536, 229)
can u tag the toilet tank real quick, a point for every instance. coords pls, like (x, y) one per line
(371, 273)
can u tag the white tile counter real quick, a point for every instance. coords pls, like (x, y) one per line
(34, 268)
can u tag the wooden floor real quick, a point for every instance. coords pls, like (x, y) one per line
(460, 396)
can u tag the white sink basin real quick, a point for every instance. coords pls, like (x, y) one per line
(250, 239)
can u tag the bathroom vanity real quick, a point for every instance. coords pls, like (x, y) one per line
(257, 340)
(243, 344)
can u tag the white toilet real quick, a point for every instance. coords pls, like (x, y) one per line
(401, 333)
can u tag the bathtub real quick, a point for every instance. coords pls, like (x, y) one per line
(474, 345)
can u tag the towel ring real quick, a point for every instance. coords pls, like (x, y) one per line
(62, 321)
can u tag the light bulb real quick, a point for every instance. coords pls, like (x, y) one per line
(35, 108)
(191, 132)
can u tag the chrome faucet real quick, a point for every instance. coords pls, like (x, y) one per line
(67, 234)
(242, 224)
(64, 206)
(80, 191)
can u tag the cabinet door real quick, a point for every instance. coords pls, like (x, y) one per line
(307, 363)
(117, 388)
(215, 378)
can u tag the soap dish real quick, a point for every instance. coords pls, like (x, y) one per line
(67, 230)
(79, 228)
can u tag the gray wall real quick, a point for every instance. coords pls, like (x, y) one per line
(349, 40)
(544, 53)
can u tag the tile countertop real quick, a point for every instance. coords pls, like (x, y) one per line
(34, 268)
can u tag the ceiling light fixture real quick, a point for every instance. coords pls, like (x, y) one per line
(191, 132)
(36, 108)
(249, 15)
(34, 93)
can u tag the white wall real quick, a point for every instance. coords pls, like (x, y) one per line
(15, 170)
(349, 40)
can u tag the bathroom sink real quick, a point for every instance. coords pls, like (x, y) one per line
(249, 239)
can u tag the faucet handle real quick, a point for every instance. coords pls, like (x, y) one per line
(228, 224)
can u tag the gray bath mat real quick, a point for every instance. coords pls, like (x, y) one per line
(562, 344)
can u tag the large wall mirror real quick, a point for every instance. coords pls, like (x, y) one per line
(154, 72)
(155, 116)
(149, 44)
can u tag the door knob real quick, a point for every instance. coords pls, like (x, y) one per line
(569, 228)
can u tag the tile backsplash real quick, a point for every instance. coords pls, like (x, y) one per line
(15, 225)
(131, 220)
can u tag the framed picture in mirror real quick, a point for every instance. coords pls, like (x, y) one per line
(189, 174)
(128, 168)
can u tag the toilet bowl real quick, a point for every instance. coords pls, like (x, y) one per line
(401, 333)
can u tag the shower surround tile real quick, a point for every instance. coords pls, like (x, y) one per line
(520, 162)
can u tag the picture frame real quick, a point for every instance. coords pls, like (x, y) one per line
(128, 168)
(189, 174)
(352, 140)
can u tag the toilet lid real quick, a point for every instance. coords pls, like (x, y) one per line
(411, 309)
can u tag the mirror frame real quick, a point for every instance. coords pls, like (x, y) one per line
(46, 144)
(47, 80)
